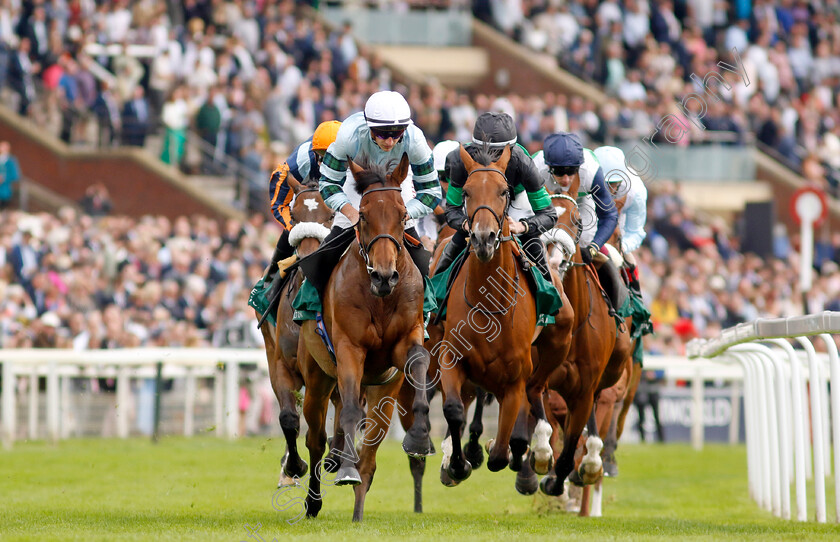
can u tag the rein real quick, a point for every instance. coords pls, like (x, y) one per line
(364, 249)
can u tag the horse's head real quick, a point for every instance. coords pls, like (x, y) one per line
(311, 218)
(562, 240)
(382, 218)
(486, 201)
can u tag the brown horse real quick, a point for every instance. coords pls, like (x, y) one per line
(311, 219)
(594, 361)
(374, 330)
(490, 323)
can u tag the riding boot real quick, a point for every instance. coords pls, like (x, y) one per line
(610, 279)
(537, 253)
(419, 255)
(451, 251)
(282, 251)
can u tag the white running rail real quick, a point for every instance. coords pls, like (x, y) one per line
(778, 381)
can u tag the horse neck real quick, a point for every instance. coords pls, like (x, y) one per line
(493, 280)
(575, 285)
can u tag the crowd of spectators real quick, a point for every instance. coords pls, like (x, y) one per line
(644, 53)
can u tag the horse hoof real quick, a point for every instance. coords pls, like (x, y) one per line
(525, 484)
(348, 476)
(495, 464)
(474, 453)
(459, 475)
(516, 461)
(610, 466)
(488, 446)
(331, 463)
(417, 446)
(588, 478)
(541, 464)
(576, 479)
(313, 506)
(551, 486)
(296, 470)
(287, 481)
(446, 480)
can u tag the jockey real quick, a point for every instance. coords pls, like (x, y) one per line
(303, 165)
(497, 130)
(380, 135)
(428, 225)
(562, 160)
(623, 183)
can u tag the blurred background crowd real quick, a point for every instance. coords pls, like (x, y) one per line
(250, 80)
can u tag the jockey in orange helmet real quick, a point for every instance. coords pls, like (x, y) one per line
(304, 165)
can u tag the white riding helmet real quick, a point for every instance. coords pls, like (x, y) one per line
(441, 151)
(387, 108)
(612, 162)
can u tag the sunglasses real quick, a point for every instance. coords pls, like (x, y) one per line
(385, 133)
(561, 171)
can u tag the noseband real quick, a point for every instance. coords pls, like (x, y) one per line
(364, 249)
(567, 260)
(499, 219)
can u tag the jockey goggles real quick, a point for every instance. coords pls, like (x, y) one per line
(560, 171)
(384, 132)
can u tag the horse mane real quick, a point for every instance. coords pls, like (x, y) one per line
(486, 154)
(371, 174)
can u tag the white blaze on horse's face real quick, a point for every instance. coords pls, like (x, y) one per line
(311, 203)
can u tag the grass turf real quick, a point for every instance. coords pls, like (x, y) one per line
(209, 489)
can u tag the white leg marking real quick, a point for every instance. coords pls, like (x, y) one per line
(446, 447)
(592, 460)
(596, 510)
(542, 447)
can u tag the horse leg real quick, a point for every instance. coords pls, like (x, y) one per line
(318, 390)
(576, 417)
(527, 481)
(417, 465)
(381, 401)
(472, 450)
(542, 457)
(522, 429)
(283, 382)
(333, 460)
(591, 466)
(349, 376)
(509, 408)
(635, 378)
(454, 466)
(417, 442)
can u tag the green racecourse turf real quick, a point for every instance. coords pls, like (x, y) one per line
(209, 489)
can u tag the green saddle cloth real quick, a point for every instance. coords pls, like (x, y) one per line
(548, 300)
(634, 307)
(259, 299)
(307, 303)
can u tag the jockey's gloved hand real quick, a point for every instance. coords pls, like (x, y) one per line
(589, 253)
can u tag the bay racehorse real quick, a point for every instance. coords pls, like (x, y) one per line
(311, 219)
(488, 330)
(373, 313)
(598, 349)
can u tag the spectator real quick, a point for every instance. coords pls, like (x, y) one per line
(97, 200)
(135, 119)
(9, 174)
(108, 114)
(21, 71)
(175, 118)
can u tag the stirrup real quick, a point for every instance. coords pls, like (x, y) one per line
(285, 264)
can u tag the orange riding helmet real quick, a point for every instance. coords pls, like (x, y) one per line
(325, 134)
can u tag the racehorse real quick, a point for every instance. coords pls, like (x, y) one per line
(598, 348)
(311, 218)
(374, 330)
(488, 331)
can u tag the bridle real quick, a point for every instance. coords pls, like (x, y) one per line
(567, 258)
(499, 219)
(364, 249)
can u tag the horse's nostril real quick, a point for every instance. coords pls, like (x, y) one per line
(395, 278)
(376, 276)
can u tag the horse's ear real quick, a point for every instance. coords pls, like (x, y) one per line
(503, 160)
(355, 169)
(469, 163)
(293, 183)
(398, 175)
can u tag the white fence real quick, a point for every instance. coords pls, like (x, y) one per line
(777, 382)
(222, 367)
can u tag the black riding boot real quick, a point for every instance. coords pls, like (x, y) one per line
(419, 255)
(455, 246)
(610, 282)
(282, 251)
(318, 266)
(536, 253)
